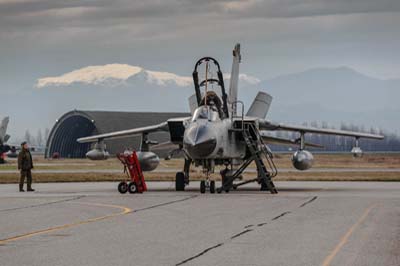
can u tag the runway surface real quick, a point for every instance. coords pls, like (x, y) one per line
(307, 223)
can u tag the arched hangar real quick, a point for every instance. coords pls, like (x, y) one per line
(75, 124)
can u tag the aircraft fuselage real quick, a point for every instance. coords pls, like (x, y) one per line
(209, 138)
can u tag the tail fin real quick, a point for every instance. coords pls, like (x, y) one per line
(3, 129)
(260, 106)
(233, 85)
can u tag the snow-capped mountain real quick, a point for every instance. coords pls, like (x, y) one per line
(112, 75)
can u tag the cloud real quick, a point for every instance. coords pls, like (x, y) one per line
(99, 13)
(306, 8)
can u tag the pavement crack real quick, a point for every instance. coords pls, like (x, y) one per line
(164, 204)
(199, 254)
(247, 227)
(308, 202)
(43, 204)
(280, 215)
(241, 233)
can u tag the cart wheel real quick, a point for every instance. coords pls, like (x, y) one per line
(212, 187)
(132, 188)
(180, 181)
(202, 187)
(123, 187)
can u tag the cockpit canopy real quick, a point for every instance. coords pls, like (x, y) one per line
(205, 113)
(214, 101)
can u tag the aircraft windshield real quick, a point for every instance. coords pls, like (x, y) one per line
(204, 112)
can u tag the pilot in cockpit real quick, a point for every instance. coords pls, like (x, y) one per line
(213, 101)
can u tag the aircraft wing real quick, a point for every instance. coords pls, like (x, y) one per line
(168, 145)
(282, 141)
(126, 133)
(267, 125)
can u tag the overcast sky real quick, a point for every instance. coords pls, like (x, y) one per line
(49, 37)
(42, 38)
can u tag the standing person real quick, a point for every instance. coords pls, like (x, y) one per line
(25, 164)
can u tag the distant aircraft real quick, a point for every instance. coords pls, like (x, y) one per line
(220, 133)
(8, 149)
(4, 148)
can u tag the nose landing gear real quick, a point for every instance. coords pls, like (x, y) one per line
(207, 184)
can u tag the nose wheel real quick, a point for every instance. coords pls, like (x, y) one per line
(207, 184)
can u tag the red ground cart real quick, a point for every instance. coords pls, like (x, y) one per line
(134, 173)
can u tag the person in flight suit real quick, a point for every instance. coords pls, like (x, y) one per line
(25, 164)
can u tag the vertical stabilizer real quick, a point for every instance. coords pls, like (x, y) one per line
(3, 129)
(233, 85)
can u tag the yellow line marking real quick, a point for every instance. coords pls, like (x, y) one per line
(124, 211)
(343, 241)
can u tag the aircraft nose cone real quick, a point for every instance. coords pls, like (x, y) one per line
(201, 150)
(199, 142)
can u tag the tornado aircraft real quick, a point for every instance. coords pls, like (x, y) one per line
(219, 132)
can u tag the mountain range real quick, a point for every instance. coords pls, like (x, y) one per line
(333, 95)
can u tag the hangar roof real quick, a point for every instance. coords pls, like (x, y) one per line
(77, 123)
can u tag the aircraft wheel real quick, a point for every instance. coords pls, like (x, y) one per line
(180, 181)
(132, 188)
(123, 187)
(212, 187)
(202, 187)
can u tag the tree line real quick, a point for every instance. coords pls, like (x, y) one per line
(39, 139)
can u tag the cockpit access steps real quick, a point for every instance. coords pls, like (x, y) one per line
(258, 152)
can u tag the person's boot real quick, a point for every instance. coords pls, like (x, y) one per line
(21, 188)
(30, 189)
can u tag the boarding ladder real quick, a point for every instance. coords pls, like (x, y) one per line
(257, 152)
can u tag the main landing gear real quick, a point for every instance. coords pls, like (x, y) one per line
(180, 181)
(182, 178)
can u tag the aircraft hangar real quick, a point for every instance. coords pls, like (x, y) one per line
(77, 123)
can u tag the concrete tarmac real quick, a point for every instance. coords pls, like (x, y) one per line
(306, 223)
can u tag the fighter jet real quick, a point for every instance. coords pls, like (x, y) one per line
(4, 148)
(219, 132)
(9, 149)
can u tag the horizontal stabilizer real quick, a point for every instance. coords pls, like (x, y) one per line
(260, 106)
